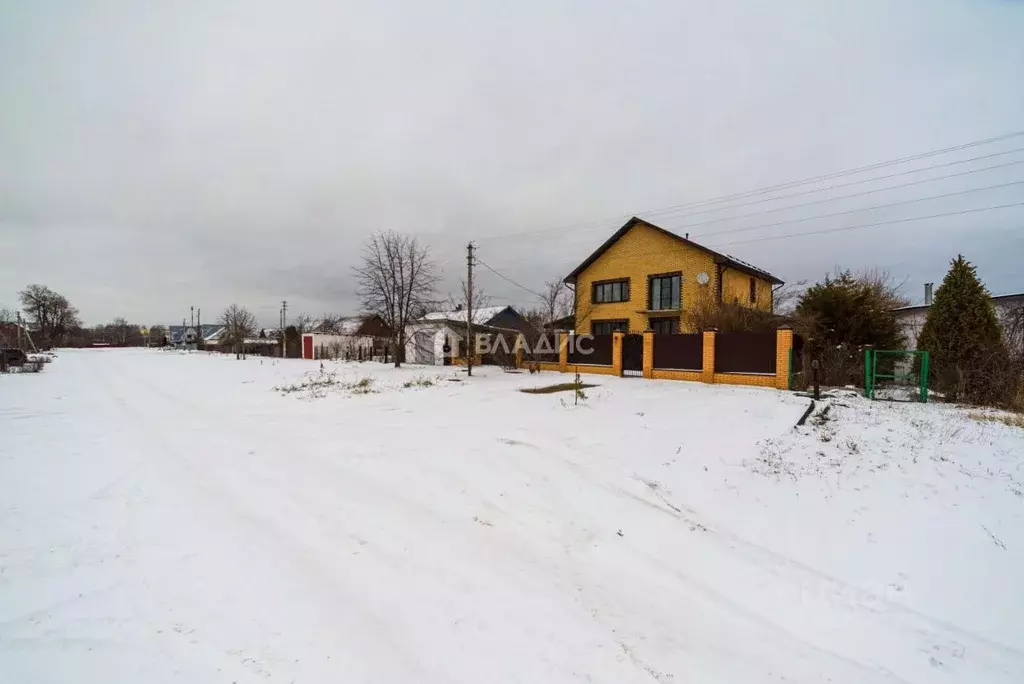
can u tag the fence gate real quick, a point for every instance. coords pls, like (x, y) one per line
(633, 355)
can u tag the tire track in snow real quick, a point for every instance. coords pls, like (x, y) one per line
(267, 527)
(925, 628)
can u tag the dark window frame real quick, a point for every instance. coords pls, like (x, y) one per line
(753, 290)
(607, 296)
(673, 321)
(650, 291)
(614, 325)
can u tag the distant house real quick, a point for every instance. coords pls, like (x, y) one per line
(191, 334)
(494, 316)
(439, 337)
(911, 318)
(564, 324)
(647, 278)
(351, 337)
(14, 336)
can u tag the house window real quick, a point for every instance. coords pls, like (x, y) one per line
(753, 290)
(665, 292)
(665, 326)
(611, 291)
(608, 327)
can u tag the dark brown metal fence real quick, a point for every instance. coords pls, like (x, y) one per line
(745, 352)
(544, 348)
(598, 346)
(679, 352)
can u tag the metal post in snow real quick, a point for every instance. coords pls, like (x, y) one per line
(815, 376)
(470, 347)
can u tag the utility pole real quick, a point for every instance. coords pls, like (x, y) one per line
(17, 328)
(284, 322)
(470, 347)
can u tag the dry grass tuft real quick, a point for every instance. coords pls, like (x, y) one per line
(1011, 419)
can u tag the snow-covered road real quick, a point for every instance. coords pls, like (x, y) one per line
(172, 518)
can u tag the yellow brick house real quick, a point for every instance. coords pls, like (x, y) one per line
(646, 278)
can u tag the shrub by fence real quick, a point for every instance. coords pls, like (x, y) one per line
(679, 351)
(745, 352)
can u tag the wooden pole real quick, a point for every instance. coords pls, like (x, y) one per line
(470, 347)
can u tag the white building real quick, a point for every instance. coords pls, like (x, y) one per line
(439, 336)
(351, 337)
(911, 318)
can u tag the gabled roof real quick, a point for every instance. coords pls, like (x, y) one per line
(176, 332)
(480, 316)
(343, 325)
(995, 299)
(458, 326)
(724, 259)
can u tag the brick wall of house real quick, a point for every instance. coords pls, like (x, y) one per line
(643, 252)
(736, 288)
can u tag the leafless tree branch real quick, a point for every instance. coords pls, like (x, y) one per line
(396, 280)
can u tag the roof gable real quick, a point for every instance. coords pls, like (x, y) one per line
(719, 258)
(480, 316)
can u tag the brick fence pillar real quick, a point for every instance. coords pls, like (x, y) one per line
(563, 352)
(648, 354)
(783, 344)
(617, 353)
(708, 366)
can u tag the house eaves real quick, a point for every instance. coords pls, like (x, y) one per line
(719, 258)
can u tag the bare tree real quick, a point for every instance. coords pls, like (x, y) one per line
(51, 314)
(157, 333)
(1012, 320)
(555, 300)
(120, 331)
(883, 284)
(240, 324)
(302, 323)
(330, 323)
(396, 279)
(6, 315)
(786, 297)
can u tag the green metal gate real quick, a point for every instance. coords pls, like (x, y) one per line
(876, 369)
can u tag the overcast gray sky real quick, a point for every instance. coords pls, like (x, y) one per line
(156, 155)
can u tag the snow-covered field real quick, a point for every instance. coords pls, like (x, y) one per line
(171, 517)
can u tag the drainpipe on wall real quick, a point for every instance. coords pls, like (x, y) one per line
(572, 288)
(774, 290)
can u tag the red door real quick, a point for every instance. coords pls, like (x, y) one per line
(307, 347)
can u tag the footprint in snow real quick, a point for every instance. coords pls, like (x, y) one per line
(515, 442)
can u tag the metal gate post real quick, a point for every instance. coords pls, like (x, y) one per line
(923, 379)
(869, 373)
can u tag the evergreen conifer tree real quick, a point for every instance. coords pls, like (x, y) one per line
(963, 337)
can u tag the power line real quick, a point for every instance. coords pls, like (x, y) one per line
(852, 183)
(761, 191)
(847, 172)
(854, 211)
(508, 280)
(871, 225)
(836, 230)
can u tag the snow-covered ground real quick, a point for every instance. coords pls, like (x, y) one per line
(171, 517)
